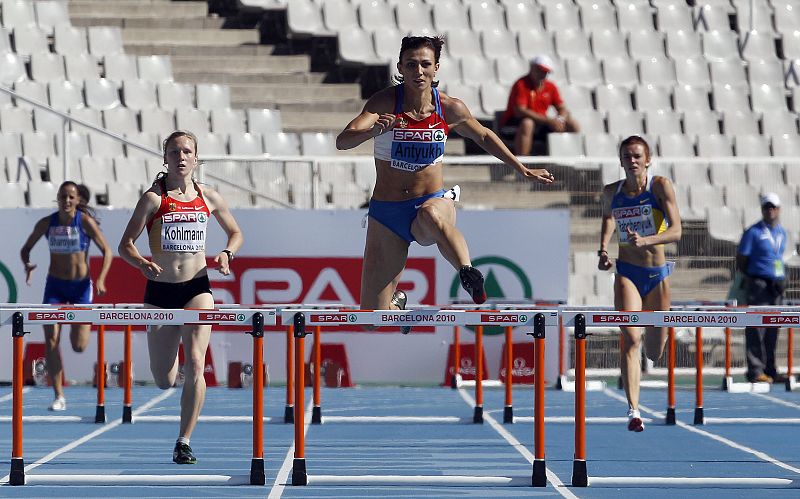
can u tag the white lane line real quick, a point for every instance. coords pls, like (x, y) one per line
(11, 395)
(90, 436)
(282, 478)
(511, 439)
(761, 455)
(777, 400)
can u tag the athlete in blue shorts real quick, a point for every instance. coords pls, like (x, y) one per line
(644, 213)
(410, 123)
(68, 232)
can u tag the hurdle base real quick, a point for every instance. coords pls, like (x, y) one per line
(127, 414)
(580, 477)
(699, 419)
(17, 475)
(316, 415)
(670, 416)
(477, 416)
(559, 385)
(791, 383)
(455, 381)
(100, 414)
(299, 476)
(508, 414)
(731, 386)
(288, 414)
(257, 475)
(539, 478)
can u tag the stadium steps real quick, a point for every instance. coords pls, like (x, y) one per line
(245, 63)
(212, 22)
(198, 38)
(137, 9)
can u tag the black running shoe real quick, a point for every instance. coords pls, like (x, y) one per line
(399, 299)
(472, 282)
(183, 454)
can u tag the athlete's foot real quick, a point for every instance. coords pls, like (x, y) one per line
(635, 422)
(59, 404)
(399, 300)
(183, 454)
(472, 282)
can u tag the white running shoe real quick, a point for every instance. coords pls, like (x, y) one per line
(59, 404)
(635, 422)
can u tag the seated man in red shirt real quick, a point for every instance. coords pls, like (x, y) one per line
(530, 99)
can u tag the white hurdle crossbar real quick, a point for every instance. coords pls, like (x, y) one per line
(582, 319)
(538, 320)
(20, 317)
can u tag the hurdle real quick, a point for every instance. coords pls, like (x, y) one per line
(19, 317)
(303, 318)
(698, 319)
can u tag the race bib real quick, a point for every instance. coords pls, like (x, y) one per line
(64, 239)
(184, 231)
(637, 218)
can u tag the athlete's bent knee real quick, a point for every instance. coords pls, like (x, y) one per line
(430, 217)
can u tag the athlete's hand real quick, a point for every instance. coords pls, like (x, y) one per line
(29, 272)
(635, 239)
(604, 263)
(541, 175)
(150, 270)
(223, 264)
(101, 287)
(384, 124)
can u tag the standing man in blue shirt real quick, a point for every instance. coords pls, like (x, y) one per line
(760, 258)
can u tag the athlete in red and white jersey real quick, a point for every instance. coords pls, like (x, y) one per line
(175, 211)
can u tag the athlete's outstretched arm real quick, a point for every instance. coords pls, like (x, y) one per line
(607, 228)
(146, 207)
(229, 225)
(462, 121)
(373, 121)
(93, 231)
(25, 253)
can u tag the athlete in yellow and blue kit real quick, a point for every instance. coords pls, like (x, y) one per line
(645, 214)
(410, 123)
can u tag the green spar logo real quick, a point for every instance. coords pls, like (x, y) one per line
(12, 285)
(634, 318)
(70, 316)
(240, 317)
(503, 279)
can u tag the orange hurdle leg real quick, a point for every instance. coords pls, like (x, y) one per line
(508, 410)
(299, 476)
(580, 476)
(17, 475)
(288, 412)
(477, 416)
(539, 468)
(257, 475)
(456, 358)
(670, 376)
(727, 378)
(100, 410)
(789, 358)
(316, 412)
(127, 415)
(698, 388)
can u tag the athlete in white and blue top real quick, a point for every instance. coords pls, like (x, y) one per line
(68, 232)
(410, 123)
(645, 214)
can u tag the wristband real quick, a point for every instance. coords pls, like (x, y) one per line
(229, 253)
(601, 252)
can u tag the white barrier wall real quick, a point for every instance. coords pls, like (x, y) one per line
(315, 257)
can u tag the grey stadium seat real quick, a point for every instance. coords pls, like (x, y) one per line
(572, 43)
(121, 120)
(355, 46)
(105, 40)
(81, 67)
(561, 16)
(739, 122)
(450, 14)
(484, 16)
(657, 71)
(317, 144)
(264, 120)
(619, 71)
(601, 145)
(226, 120)
(212, 96)
(523, 16)
(245, 144)
(598, 15)
(339, 16)
(29, 40)
(652, 98)
(70, 39)
(121, 68)
(192, 119)
(607, 43)
(101, 93)
(157, 120)
(172, 95)
(613, 97)
(157, 68)
(51, 14)
(65, 95)
(683, 44)
(583, 71)
(281, 144)
(413, 16)
(565, 144)
(714, 145)
(139, 94)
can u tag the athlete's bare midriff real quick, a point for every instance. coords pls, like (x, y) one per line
(180, 267)
(397, 185)
(69, 266)
(652, 256)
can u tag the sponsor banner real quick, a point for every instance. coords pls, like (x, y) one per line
(314, 257)
(662, 319)
(241, 317)
(780, 320)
